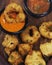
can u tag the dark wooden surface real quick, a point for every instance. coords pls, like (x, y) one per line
(31, 20)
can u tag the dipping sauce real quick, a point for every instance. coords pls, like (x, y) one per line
(11, 27)
(38, 6)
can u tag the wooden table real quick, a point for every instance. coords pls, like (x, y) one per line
(31, 20)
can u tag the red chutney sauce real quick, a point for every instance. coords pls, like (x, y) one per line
(38, 6)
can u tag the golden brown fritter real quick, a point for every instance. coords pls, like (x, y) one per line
(14, 13)
(35, 58)
(30, 35)
(10, 41)
(46, 29)
(46, 48)
(7, 51)
(24, 49)
(15, 58)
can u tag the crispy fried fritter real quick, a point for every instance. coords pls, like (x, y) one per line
(46, 48)
(30, 35)
(46, 29)
(14, 13)
(15, 58)
(35, 58)
(24, 49)
(10, 41)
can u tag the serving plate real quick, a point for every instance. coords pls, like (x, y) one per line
(31, 21)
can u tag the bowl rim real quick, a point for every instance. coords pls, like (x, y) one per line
(37, 15)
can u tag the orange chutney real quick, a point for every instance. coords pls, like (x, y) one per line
(38, 6)
(11, 27)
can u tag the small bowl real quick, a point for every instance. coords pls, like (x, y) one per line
(37, 15)
(14, 33)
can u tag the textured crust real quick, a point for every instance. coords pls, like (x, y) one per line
(45, 31)
(7, 51)
(13, 7)
(34, 59)
(26, 37)
(10, 41)
(46, 48)
(24, 49)
(15, 58)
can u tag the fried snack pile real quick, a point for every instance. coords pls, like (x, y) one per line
(17, 50)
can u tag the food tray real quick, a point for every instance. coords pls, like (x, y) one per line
(31, 21)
